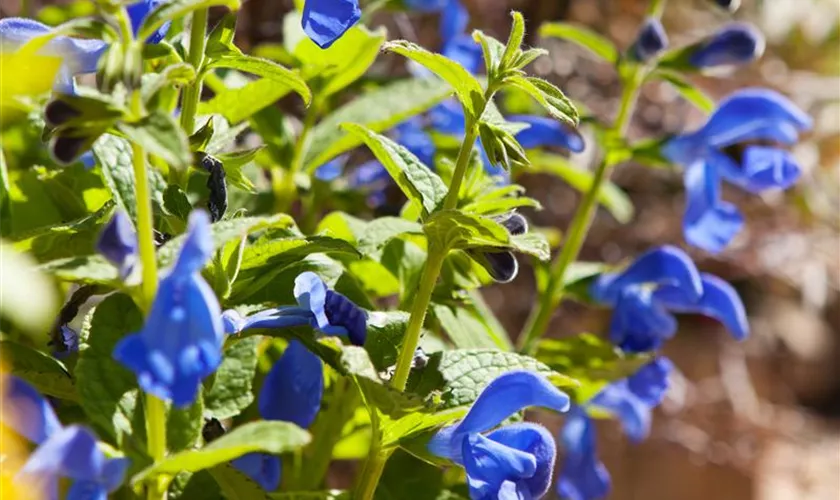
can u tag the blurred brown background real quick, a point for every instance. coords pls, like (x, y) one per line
(757, 420)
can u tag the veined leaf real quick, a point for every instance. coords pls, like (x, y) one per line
(266, 69)
(231, 391)
(583, 37)
(161, 136)
(47, 374)
(416, 180)
(466, 86)
(378, 110)
(548, 96)
(240, 103)
(266, 436)
(453, 229)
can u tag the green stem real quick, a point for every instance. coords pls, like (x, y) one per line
(374, 466)
(537, 322)
(327, 433)
(655, 8)
(283, 182)
(155, 409)
(451, 200)
(192, 93)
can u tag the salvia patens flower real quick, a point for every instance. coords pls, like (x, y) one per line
(181, 341)
(711, 154)
(325, 21)
(631, 401)
(660, 282)
(547, 132)
(514, 461)
(426, 5)
(63, 452)
(79, 56)
(650, 41)
(118, 243)
(325, 310)
(734, 44)
(291, 392)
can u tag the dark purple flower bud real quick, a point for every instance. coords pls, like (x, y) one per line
(514, 223)
(650, 41)
(65, 149)
(502, 266)
(736, 43)
(730, 5)
(118, 243)
(342, 311)
(57, 112)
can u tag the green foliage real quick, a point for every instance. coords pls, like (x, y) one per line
(168, 11)
(584, 37)
(271, 437)
(230, 389)
(48, 375)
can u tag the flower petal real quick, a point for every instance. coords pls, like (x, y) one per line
(26, 412)
(507, 394)
(138, 11)
(113, 473)
(663, 265)
(709, 223)
(639, 323)
(71, 452)
(537, 441)
(86, 490)
(545, 132)
(311, 294)
(263, 468)
(293, 388)
(118, 243)
(489, 464)
(633, 413)
(735, 43)
(198, 247)
(583, 476)
(719, 301)
(650, 41)
(325, 21)
(454, 20)
(650, 382)
(764, 168)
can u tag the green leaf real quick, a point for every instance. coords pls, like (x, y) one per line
(517, 33)
(616, 201)
(108, 391)
(461, 375)
(184, 425)
(48, 375)
(225, 231)
(416, 180)
(453, 229)
(231, 389)
(687, 90)
(467, 329)
(233, 163)
(237, 104)
(266, 69)
(169, 11)
(495, 206)
(343, 62)
(466, 87)
(385, 332)
(31, 307)
(235, 485)
(548, 96)
(312, 495)
(88, 269)
(583, 37)
(174, 75)
(408, 477)
(220, 40)
(175, 202)
(161, 136)
(265, 436)
(492, 49)
(593, 361)
(115, 157)
(378, 232)
(531, 243)
(378, 111)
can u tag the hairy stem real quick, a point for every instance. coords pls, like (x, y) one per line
(537, 322)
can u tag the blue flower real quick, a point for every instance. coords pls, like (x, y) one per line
(181, 341)
(662, 281)
(63, 452)
(78, 56)
(118, 243)
(326, 310)
(325, 21)
(426, 5)
(734, 44)
(69, 340)
(544, 131)
(650, 41)
(631, 401)
(291, 392)
(331, 170)
(741, 119)
(513, 460)
(138, 11)
(583, 476)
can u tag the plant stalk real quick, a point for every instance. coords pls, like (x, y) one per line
(192, 93)
(537, 322)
